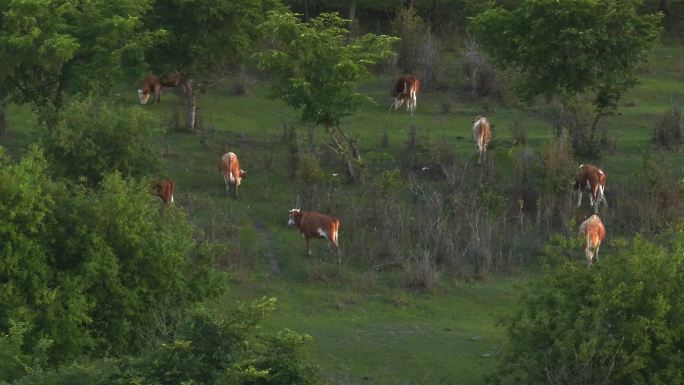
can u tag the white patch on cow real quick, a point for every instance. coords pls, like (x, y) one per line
(588, 185)
(290, 222)
(143, 98)
(171, 198)
(322, 233)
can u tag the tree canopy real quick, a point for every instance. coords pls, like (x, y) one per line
(205, 40)
(51, 47)
(567, 48)
(317, 67)
(90, 272)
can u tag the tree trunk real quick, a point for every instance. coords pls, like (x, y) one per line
(190, 106)
(348, 149)
(306, 10)
(352, 10)
(665, 6)
(3, 120)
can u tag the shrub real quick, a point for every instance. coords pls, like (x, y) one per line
(616, 323)
(91, 138)
(208, 350)
(669, 132)
(557, 170)
(92, 272)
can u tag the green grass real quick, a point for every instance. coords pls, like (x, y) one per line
(368, 327)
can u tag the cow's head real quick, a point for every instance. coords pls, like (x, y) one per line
(294, 214)
(477, 118)
(143, 95)
(243, 174)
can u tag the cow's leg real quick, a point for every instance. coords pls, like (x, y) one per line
(333, 245)
(479, 150)
(579, 197)
(236, 191)
(308, 245)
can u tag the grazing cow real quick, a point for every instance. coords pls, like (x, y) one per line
(595, 232)
(152, 84)
(163, 189)
(231, 171)
(592, 179)
(405, 91)
(316, 225)
(482, 132)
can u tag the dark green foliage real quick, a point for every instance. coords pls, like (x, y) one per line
(92, 272)
(206, 37)
(91, 138)
(52, 47)
(570, 47)
(208, 350)
(619, 322)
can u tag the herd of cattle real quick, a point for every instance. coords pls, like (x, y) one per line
(313, 224)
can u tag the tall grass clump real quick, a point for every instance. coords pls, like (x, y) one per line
(669, 132)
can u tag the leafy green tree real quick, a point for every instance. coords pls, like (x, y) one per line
(49, 48)
(570, 48)
(619, 322)
(205, 40)
(91, 138)
(317, 67)
(91, 272)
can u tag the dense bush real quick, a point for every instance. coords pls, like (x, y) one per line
(619, 322)
(91, 138)
(97, 272)
(207, 350)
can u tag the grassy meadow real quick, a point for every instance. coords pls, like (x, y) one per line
(368, 325)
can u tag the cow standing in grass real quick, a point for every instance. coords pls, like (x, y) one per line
(313, 224)
(592, 179)
(406, 92)
(482, 132)
(153, 84)
(163, 189)
(229, 166)
(595, 232)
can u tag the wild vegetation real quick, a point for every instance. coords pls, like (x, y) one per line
(452, 271)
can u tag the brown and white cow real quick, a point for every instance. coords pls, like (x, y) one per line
(163, 189)
(313, 224)
(595, 232)
(592, 179)
(231, 171)
(406, 92)
(482, 132)
(153, 84)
